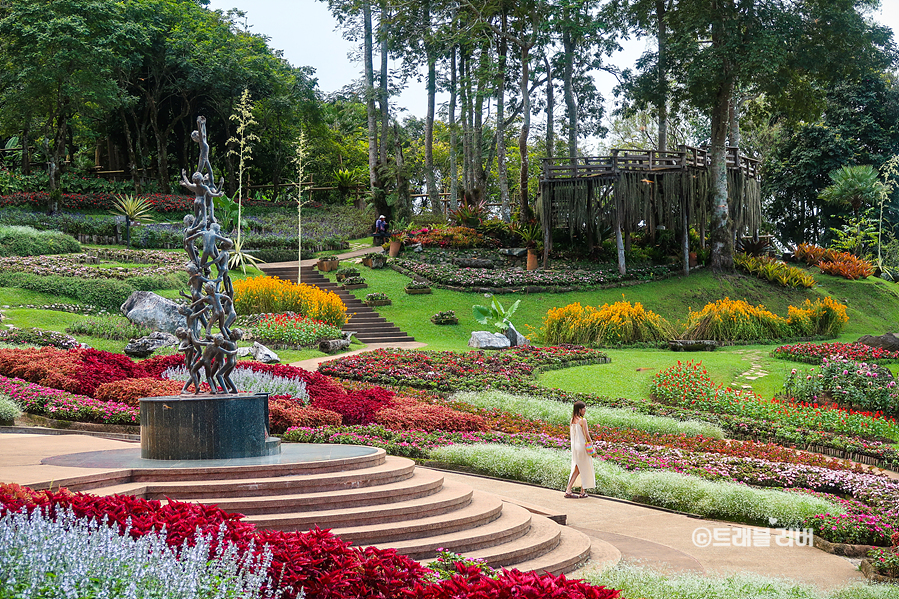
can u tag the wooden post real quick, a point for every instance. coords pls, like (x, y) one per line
(622, 268)
(686, 232)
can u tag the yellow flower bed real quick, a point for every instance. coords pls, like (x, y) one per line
(611, 324)
(736, 320)
(271, 294)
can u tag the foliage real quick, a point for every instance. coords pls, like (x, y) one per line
(621, 323)
(416, 285)
(855, 186)
(813, 353)
(469, 214)
(107, 294)
(824, 317)
(844, 264)
(447, 564)
(285, 414)
(504, 278)
(855, 529)
(26, 241)
(54, 403)
(688, 385)
(79, 265)
(134, 209)
(854, 385)
(774, 270)
(812, 254)
(130, 391)
(248, 378)
(450, 237)
(886, 561)
(293, 331)
(445, 317)
(495, 315)
(108, 327)
(376, 297)
(354, 281)
(37, 337)
(734, 320)
(273, 295)
(9, 410)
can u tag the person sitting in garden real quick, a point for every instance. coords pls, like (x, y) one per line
(380, 235)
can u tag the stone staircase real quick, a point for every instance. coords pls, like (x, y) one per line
(369, 326)
(375, 499)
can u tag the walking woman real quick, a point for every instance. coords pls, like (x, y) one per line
(581, 461)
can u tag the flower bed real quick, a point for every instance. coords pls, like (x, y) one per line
(814, 353)
(451, 237)
(446, 317)
(57, 404)
(272, 295)
(450, 371)
(850, 384)
(73, 265)
(293, 331)
(688, 385)
(316, 561)
(502, 278)
(736, 320)
(615, 324)
(38, 337)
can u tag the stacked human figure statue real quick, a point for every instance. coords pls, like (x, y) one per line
(211, 300)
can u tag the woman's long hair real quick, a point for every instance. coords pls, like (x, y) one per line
(578, 406)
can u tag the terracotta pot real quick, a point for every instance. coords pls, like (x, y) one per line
(693, 261)
(395, 246)
(532, 260)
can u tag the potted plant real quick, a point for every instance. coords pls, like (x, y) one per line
(354, 283)
(377, 299)
(416, 288)
(328, 263)
(396, 238)
(374, 260)
(346, 273)
(447, 317)
(531, 235)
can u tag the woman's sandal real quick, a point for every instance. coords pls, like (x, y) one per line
(570, 496)
(582, 496)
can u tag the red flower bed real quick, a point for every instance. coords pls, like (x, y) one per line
(407, 413)
(76, 370)
(316, 561)
(284, 413)
(356, 407)
(129, 391)
(814, 353)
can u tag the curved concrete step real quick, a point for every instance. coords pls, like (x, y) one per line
(542, 537)
(511, 524)
(421, 484)
(483, 509)
(452, 497)
(393, 470)
(572, 550)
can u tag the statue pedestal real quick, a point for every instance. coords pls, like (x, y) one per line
(205, 427)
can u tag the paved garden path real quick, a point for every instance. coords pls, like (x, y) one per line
(657, 538)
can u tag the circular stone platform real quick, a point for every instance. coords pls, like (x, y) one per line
(291, 453)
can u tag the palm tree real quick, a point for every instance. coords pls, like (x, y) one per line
(139, 210)
(853, 186)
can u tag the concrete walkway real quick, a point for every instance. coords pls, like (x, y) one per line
(656, 538)
(375, 249)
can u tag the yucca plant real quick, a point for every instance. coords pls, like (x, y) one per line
(133, 208)
(240, 258)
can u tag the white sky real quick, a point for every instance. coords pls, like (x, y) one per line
(309, 36)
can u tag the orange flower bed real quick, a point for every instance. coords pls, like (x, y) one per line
(129, 391)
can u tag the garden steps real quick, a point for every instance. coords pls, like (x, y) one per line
(376, 500)
(449, 498)
(369, 326)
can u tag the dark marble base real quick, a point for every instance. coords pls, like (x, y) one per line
(205, 427)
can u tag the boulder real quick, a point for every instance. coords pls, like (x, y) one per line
(332, 345)
(243, 352)
(145, 346)
(264, 354)
(514, 337)
(153, 311)
(486, 340)
(887, 341)
(692, 345)
(514, 252)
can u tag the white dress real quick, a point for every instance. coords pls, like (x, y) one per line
(580, 458)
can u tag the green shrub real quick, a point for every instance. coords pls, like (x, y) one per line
(103, 293)
(9, 409)
(116, 328)
(711, 499)
(154, 282)
(554, 412)
(17, 240)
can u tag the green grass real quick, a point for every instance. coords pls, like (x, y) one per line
(11, 296)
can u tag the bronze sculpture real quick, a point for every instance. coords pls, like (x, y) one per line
(211, 299)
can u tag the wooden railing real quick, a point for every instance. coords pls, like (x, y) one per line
(648, 161)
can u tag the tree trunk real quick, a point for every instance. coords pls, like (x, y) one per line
(26, 155)
(382, 92)
(370, 104)
(734, 123)
(570, 101)
(429, 136)
(403, 201)
(525, 211)
(501, 167)
(454, 172)
(722, 239)
(477, 131)
(132, 156)
(550, 108)
(162, 160)
(662, 75)
(465, 72)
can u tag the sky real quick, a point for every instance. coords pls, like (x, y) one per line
(309, 36)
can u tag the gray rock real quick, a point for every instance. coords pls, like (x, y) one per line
(887, 341)
(243, 352)
(153, 311)
(692, 345)
(264, 354)
(516, 338)
(486, 340)
(514, 252)
(331, 345)
(145, 346)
